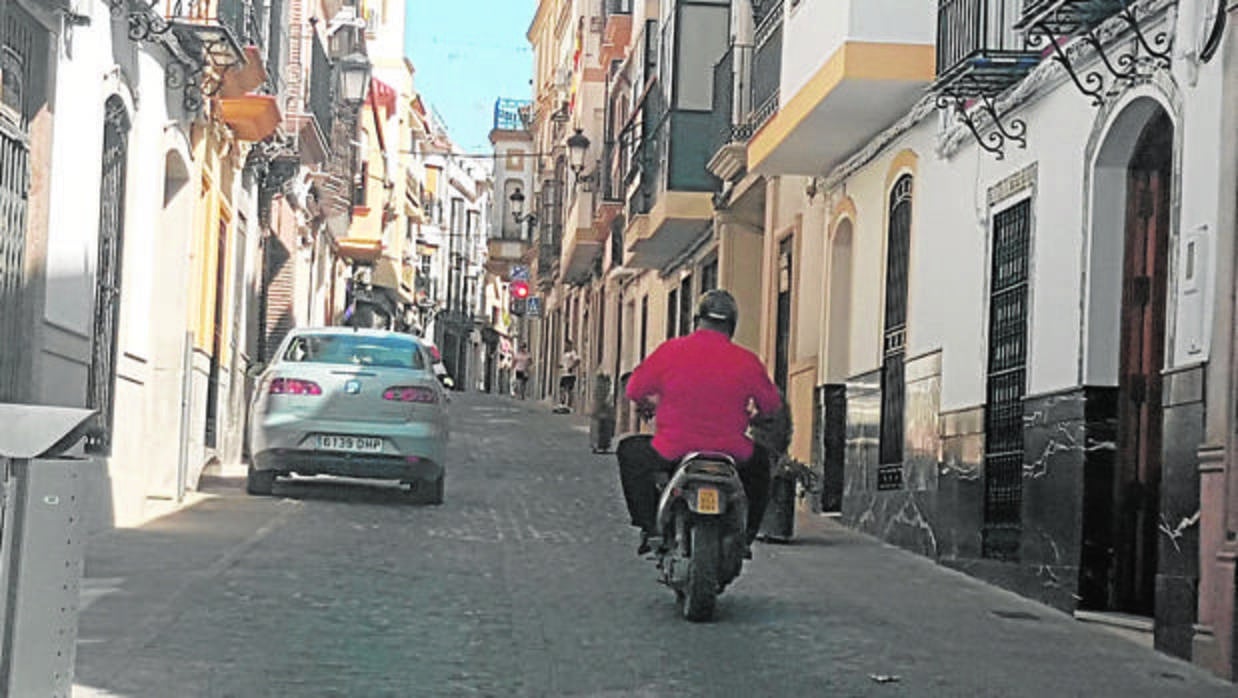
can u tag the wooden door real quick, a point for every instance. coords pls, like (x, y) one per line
(1142, 346)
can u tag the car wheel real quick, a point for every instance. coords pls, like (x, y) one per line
(436, 491)
(259, 482)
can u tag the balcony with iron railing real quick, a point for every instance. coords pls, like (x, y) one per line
(549, 249)
(980, 55)
(977, 45)
(1069, 16)
(1053, 24)
(223, 26)
(766, 74)
(228, 38)
(845, 69)
(321, 96)
(670, 199)
(732, 98)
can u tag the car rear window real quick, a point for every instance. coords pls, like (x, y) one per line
(356, 350)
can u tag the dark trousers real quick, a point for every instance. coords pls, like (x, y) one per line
(639, 464)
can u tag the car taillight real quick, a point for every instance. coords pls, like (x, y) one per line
(293, 386)
(438, 356)
(411, 393)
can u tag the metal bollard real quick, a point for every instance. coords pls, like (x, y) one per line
(41, 548)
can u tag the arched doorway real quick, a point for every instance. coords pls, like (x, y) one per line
(838, 334)
(832, 397)
(1128, 289)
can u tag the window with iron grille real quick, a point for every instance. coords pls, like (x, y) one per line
(101, 381)
(1007, 372)
(893, 388)
(21, 40)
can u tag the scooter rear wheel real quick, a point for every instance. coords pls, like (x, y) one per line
(700, 594)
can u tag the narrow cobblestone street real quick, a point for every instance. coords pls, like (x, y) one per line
(525, 583)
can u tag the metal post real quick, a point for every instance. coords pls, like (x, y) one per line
(41, 548)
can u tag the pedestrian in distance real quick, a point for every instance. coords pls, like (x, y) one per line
(520, 364)
(568, 364)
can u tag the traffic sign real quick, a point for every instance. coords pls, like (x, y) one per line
(519, 273)
(533, 306)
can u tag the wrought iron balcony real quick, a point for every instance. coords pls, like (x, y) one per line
(239, 21)
(766, 63)
(321, 97)
(206, 38)
(1053, 23)
(734, 121)
(980, 56)
(1068, 16)
(978, 50)
(549, 249)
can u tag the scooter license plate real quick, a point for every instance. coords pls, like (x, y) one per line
(707, 501)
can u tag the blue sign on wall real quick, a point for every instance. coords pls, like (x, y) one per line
(534, 307)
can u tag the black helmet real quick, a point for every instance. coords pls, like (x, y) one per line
(718, 306)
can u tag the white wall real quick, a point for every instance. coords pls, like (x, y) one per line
(951, 240)
(96, 62)
(816, 29)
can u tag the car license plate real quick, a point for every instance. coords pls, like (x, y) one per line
(352, 444)
(707, 500)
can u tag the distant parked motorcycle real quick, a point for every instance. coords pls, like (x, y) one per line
(702, 517)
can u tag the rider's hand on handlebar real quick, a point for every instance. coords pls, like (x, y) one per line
(647, 407)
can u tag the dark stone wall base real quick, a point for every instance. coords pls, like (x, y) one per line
(1052, 586)
(900, 518)
(1177, 603)
(1064, 555)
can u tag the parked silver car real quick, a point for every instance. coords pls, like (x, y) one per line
(350, 402)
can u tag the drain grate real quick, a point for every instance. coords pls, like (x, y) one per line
(1014, 615)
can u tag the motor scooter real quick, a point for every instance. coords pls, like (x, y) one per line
(702, 518)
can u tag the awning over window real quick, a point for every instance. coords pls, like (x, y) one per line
(360, 249)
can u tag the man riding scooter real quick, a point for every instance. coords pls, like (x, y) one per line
(703, 387)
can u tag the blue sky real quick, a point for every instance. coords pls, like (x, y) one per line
(467, 53)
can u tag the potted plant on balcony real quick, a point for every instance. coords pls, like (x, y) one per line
(602, 422)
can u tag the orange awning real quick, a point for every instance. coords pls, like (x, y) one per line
(252, 117)
(360, 249)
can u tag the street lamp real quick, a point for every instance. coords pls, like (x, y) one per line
(577, 148)
(517, 198)
(353, 78)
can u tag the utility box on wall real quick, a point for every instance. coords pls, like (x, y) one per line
(1195, 266)
(41, 547)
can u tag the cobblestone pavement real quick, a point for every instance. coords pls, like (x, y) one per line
(525, 583)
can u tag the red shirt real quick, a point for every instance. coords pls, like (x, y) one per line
(703, 383)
